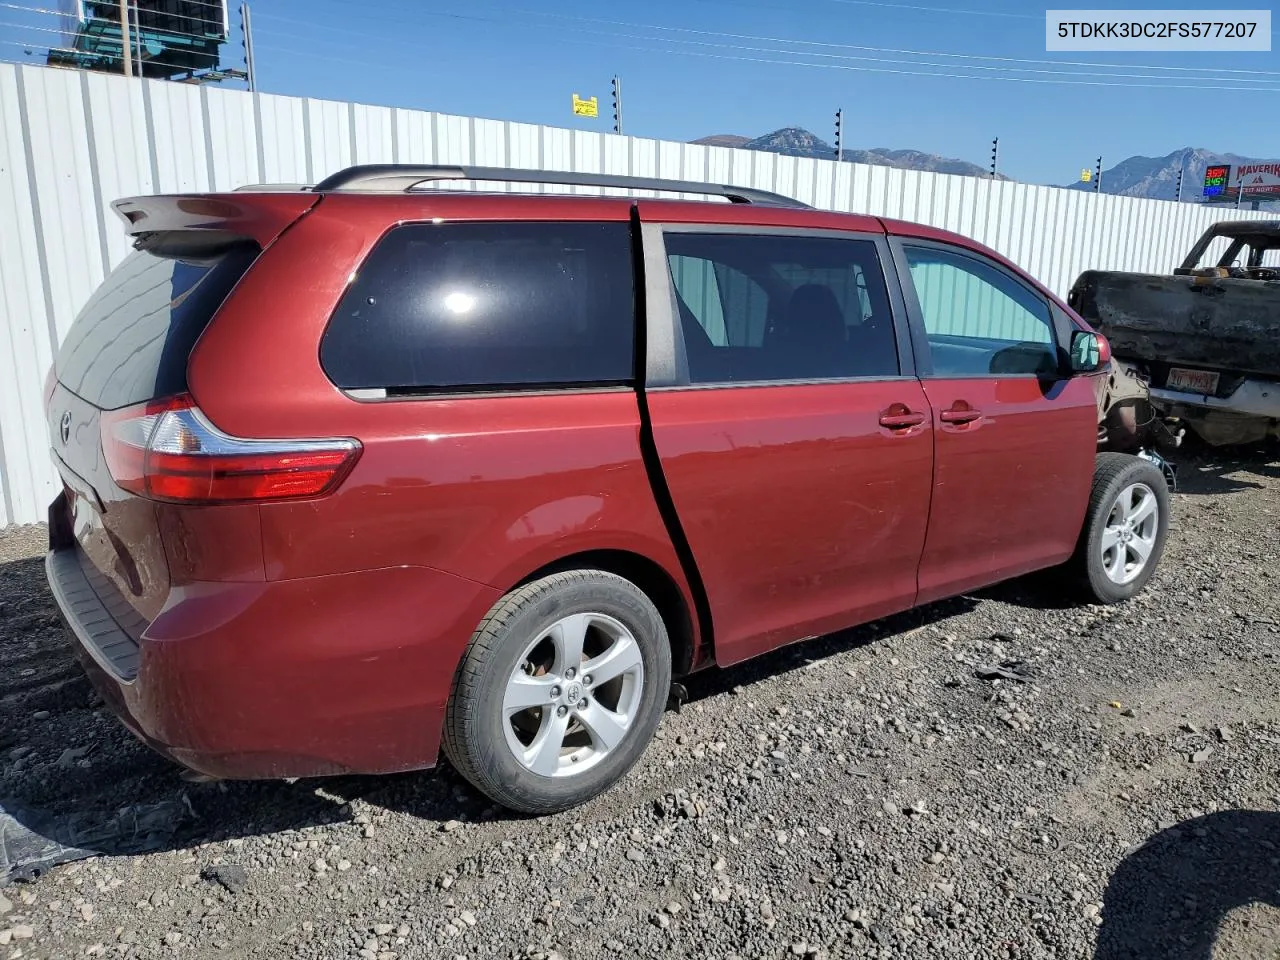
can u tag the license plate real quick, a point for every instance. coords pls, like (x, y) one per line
(1193, 381)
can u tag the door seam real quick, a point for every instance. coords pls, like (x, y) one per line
(916, 367)
(652, 461)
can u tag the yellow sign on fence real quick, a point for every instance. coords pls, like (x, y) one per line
(1086, 176)
(585, 108)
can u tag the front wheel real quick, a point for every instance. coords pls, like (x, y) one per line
(1125, 527)
(559, 692)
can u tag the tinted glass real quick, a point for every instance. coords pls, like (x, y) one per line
(770, 307)
(132, 340)
(979, 320)
(465, 305)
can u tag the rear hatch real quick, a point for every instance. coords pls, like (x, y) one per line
(128, 347)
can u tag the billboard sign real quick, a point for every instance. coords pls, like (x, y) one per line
(70, 15)
(1216, 178)
(168, 38)
(192, 18)
(1257, 178)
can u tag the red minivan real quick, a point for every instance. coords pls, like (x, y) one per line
(358, 472)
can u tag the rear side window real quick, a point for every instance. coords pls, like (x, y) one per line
(132, 340)
(487, 305)
(779, 307)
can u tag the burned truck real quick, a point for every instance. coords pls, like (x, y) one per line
(1197, 349)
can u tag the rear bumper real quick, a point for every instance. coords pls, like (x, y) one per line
(103, 632)
(337, 674)
(1253, 398)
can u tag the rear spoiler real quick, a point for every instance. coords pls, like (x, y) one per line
(260, 217)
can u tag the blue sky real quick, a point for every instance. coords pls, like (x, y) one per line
(704, 73)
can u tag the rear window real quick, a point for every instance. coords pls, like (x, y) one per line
(461, 306)
(132, 340)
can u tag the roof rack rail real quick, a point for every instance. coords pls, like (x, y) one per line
(271, 188)
(398, 177)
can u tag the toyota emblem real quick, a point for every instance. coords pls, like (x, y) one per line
(64, 428)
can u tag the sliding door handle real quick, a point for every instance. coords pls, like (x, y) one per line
(960, 415)
(901, 417)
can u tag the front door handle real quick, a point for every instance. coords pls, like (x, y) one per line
(964, 414)
(898, 417)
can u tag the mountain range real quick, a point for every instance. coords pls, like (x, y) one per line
(1157, 177)
(1152, 177)
(798, 142)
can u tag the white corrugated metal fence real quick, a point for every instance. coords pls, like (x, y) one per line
(72, 142)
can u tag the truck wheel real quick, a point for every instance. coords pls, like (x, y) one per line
(559, 692)
(1124, 528)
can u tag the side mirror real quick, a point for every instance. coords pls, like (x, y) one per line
(1090, 351)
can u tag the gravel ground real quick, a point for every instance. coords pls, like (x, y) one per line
(859, 795)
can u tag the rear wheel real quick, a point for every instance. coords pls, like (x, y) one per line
(559, 692)
(1124, 529)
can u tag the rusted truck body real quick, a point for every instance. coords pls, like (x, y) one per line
(1206, 338)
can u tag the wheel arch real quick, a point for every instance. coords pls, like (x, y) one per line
(688, 649)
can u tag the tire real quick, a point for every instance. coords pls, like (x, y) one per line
(531, 630)
(1106, 564)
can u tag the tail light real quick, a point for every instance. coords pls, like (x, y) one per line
(168, 450)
